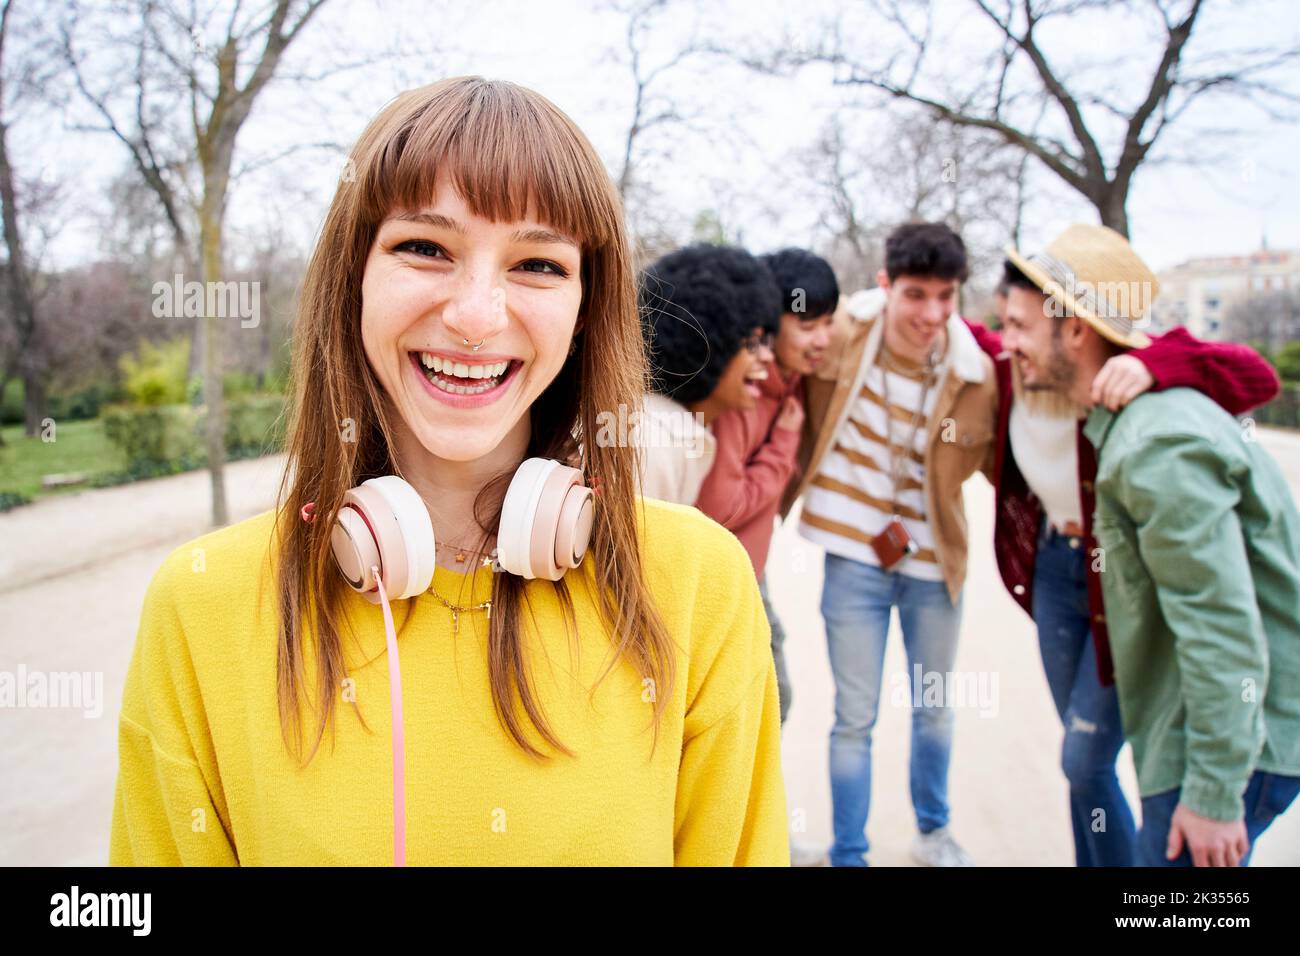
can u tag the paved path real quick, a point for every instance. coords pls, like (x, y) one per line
(73, 532)
(86, 560)
(77, 568)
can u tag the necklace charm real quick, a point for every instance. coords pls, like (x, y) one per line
(459, 553)
(456, 610)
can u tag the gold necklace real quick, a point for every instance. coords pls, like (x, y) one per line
(461, 552)
(457, 610)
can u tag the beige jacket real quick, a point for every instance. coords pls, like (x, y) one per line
(676, 450)
(962, 429)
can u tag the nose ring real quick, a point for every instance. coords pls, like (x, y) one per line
(473, 348)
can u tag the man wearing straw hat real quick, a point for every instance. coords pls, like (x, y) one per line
(1199, 559)
(1044, 474)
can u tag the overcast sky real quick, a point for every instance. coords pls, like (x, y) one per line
(749, 127)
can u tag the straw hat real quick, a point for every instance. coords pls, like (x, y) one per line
(1092, 272)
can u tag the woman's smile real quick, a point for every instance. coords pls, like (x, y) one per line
(464, 381)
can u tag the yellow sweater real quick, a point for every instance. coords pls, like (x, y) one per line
(205, 779)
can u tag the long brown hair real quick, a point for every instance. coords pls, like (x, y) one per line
(510, 153)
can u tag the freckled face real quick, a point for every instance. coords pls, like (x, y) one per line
(440, 276)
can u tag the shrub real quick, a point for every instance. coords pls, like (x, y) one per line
(11, 404)
(12, 499)
(1282, 412)
(80, 405)
(151, 437)
(254, 425)
(158, 375)
(238, 385)
(1287, 361)
(168, 439)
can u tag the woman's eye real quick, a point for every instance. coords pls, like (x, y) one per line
(544, 266)
(421, 247)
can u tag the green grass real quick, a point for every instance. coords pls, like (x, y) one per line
(78, 447)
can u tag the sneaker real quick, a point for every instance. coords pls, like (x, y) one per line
(938, 848)
(801, 854)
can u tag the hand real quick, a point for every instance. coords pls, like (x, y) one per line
(791, 416)
(1120, 380)
(1211, 842)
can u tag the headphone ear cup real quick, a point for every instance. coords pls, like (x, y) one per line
(405, 536)
(364, 538)
(383, 523)
(573, 532)
(354, 547)
(546, 520)
(518, 512)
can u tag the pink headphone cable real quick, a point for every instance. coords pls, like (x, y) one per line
(545, 498)
(399, 737)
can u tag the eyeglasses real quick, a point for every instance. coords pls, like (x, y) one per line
(758, 341)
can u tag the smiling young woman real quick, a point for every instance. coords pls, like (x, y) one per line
(470, 306)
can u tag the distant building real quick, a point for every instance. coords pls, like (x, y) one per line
(1199, 292)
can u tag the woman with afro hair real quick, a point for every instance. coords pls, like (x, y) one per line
(709, 314)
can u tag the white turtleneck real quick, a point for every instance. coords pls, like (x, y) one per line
(1047, 452)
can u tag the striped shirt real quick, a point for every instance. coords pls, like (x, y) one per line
(851, 498)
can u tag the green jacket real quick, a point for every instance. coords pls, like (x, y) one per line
(1200, 552)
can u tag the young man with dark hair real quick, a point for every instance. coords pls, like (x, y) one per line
(898, 417)
(709, 315)
(756, 447)
(1199, 563)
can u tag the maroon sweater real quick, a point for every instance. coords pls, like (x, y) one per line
(1235, 376)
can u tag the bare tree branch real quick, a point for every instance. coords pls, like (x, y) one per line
(1020, 72)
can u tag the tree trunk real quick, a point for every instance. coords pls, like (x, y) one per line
(264, 343)
(19, 285)
(35, 406)
(194, 370)
(210, 216)
(1112, 206)
(181, 260)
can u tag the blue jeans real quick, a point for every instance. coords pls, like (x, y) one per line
(856, 602)
(1267, 796)
(778, 654)
(1100, 817)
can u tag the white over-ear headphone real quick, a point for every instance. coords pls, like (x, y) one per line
(545, 527)
(383, 544)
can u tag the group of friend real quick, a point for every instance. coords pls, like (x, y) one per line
(1153, 541)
